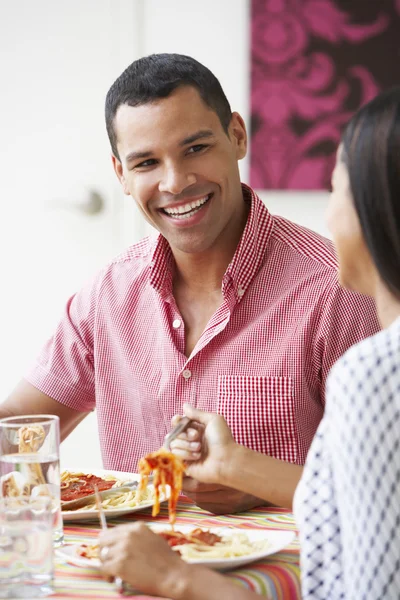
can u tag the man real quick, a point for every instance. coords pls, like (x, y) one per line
(230, 309)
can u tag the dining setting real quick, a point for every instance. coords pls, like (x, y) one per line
(200, 398)
(50, 522)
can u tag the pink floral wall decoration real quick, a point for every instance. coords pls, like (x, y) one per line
(313, 63)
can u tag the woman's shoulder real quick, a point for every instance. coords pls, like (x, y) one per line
(368, 369)
(381, 350)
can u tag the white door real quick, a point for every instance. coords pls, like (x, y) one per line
(57, 61)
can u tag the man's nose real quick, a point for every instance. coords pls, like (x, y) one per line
(175, 180)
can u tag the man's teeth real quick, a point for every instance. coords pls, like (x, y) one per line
(186, 210)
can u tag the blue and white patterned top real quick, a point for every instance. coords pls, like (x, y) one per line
(347, 504)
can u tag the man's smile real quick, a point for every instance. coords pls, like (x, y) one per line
(188, 209)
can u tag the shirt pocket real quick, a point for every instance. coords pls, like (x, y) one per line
(260, 413)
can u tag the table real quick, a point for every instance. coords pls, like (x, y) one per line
(276, 577)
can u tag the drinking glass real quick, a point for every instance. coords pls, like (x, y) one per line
(26, 547)
(29, 462)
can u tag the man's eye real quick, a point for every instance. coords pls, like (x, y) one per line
(146, 163)
(197, 148)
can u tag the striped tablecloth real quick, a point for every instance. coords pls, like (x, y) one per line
(276, 577)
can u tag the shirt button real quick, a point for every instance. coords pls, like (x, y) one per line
(176, 323)
(240, 291)
(187, 374)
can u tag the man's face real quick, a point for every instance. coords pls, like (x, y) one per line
(181, 168)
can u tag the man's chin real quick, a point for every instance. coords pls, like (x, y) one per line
(190, 245)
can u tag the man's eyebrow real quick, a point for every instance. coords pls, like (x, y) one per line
(138, 155)
(202, 133)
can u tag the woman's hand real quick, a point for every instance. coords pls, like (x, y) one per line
(206, 446)
(143, 559)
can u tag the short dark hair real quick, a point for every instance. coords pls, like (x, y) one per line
(157, 76)
(371, 153)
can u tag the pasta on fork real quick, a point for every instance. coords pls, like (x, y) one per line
(168, 470)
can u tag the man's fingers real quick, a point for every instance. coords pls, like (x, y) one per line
(175, 420)
(193, 432)
(186, 449)
(179, 444)
(187, 455)
(197, 415)
(191, 435)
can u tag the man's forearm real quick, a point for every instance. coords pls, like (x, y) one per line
(268, 478)
(26, 399)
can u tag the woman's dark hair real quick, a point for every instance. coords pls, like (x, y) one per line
(371, 153)
(157, 76)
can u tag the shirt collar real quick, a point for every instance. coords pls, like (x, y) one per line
(245, 263)
(162, 267)
(251, 249)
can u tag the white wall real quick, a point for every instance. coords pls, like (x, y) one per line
(217, 33)
(57, 61)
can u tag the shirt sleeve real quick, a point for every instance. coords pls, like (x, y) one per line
(64, 369)
(346, 319)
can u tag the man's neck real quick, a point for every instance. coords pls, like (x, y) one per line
(203, 272)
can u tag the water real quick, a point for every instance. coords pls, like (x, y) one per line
(34, 475)
(26, 559)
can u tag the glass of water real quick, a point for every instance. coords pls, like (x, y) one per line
(26, 547)
(29, 462)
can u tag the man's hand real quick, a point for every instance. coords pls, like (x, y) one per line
(209, 448)
(206, 446)
(219, 499)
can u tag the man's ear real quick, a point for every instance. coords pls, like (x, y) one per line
(238, 134)
(119, 171)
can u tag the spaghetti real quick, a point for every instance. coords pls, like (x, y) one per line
(17, 483)
(30, 440)
(168, 470)
(78, 485)
(236, 545)
(88, 551)
(198, 544)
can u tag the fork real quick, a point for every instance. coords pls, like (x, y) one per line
(120, 584)
(102, 516)
(182, 426)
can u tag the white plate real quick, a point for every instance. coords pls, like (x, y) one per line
(86, 515)
(278, 539)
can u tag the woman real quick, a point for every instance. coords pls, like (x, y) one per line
(348, 501)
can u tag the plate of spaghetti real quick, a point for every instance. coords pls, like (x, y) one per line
(220, 548)
(75, 485)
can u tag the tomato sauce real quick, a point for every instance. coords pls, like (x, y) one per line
(176, 538)
(84, 487)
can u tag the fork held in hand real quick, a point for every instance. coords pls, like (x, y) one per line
(182, 425)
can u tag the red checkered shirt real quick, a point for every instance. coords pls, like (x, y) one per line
(261, 361)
